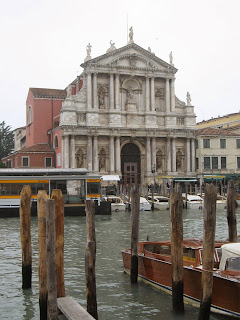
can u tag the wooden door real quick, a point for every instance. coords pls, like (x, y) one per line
(130, 173)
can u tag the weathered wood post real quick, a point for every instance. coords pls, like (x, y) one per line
(129, 198)
(176, 205)
(51, 260)
(59, 227)
(90, 260)
(25, 222)
(231, 212)
(209, 214)
(42, 267)
(134, 233)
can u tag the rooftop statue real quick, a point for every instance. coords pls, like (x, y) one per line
(188, 99)
(131, 35)
(171, 57)
(89, 49)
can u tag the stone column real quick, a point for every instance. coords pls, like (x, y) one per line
(167, 97)
(73, 161)
(118, 155)
(63, 151)
(89, 153)
(111, 154)
(117, 91)
(168, 156)
(193, 155)
(95, 97)
(188, 155)
(89, 90)
(173, 95)
(66, 152)
(152, 94)
(95, 154)
(154, 153)
(147, 93)
(111, 93)
(174, 154)
(148, 151)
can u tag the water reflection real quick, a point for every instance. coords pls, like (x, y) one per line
(116, 297)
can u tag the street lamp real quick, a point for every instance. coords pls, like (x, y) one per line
(153, 186)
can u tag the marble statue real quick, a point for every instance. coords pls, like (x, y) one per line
(131, 35)
(188, 99)
(89, 48)
(171, 57)
(130, 93)
(69, 91)
(112, 47)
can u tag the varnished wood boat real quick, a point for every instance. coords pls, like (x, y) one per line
(154, 267)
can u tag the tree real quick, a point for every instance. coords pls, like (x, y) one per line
(6, 140)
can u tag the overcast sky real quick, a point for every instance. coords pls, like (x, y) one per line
(44, 42)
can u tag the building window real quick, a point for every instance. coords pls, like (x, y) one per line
(48, 162)
(238, 162)
(29, 115)
(59, 159)
(214, 162)
(9, 163)
(206, 143)
(25, 161)
(197, 164)
(238, 143)
(223, 162)
(56, 141)
(180, 121)
(196, 144)
(223, 143)
(16, 162)
(206, 162)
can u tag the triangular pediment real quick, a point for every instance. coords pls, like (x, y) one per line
(132, 57)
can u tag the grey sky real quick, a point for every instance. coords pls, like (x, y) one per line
(44, 42)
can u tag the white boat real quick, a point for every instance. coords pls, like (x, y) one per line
(221, 202)
(116, 203)
(160, 202)
(192, 201)
(144, 204)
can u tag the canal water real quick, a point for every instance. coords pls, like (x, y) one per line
(116, 297)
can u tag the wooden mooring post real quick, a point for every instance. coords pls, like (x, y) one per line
(231, 212)
(59, 227)
(176, 205)
(52, 310)
(209, 214)
(134, 233)
(25, 222)
(90, 260)
(42, 269)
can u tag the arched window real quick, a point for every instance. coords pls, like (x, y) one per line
(56, 141)
(29, 115)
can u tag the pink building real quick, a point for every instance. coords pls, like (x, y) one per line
(43, 137)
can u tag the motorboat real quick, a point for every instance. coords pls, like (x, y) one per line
(117, 203)
(154, 267)
(144, 205)
(221, 202)
(192, 201)
(160, 202)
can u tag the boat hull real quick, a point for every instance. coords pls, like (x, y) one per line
(225, 296)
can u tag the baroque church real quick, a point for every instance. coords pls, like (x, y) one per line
(121, 117)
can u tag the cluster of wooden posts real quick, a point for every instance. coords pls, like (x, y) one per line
(176, 225)
(51, 254)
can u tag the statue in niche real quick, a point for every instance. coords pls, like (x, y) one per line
(188, 99)
(178, 163)
(79, 160)
(130, 93)
(101, 162)
(101, 100)
(159, 163)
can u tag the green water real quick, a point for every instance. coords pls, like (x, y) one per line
(116, 297)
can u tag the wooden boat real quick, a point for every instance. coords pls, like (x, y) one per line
(116, 203)
(154, 267)
(160, 202)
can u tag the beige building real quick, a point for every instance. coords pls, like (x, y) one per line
(121, 117)
(218, 153)
(224, 122)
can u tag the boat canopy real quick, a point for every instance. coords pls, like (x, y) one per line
(229, 250)
(110, 178)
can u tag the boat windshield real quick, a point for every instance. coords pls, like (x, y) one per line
(233, 264)
(158, 248)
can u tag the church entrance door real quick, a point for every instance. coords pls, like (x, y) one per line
(130, 164)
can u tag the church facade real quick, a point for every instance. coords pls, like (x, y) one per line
(122, 117)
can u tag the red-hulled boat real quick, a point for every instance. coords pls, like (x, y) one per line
(154, 267)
